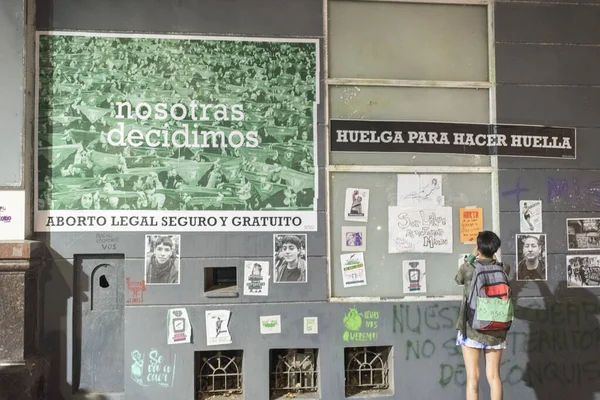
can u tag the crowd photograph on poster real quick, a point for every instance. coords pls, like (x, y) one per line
(162, 257)
(213, 125)
(531, 257)
(290, 258)
(583, 234)
(583, 270)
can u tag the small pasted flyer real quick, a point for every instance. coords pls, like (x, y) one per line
(270, 324)
(356, 206)
(530, 216)
(419, 191)
(180, 330)
(414, 276)
(353, 269)
(256, 278)
(354, 238)
(311, 325)
(217, 331)
(471, 223)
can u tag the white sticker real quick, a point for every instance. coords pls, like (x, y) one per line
(270, 324)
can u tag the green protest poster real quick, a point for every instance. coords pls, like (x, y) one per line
(175, 133)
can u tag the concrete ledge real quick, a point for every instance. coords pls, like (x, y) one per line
(22, 250)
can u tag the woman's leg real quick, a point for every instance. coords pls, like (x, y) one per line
(471, 357)
(492, 372)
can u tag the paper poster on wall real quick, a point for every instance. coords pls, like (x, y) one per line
(12, 214)
(420, 230)
(354, 238)
(162, 259)
(290, 258)
(531, 257)
(419, 191)
(414, 276)
(356, 205)
(217, 327)
(583, 271)
(471, 223)
(270, 324)
(353, 270)
(530, 215)
(256, 278)
(311, 325)
(583, 233)
(209, 136)
(180, 330)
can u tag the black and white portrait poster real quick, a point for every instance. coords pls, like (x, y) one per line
(530, 216)
(290, 255)
(162, 259)
(583, 234)
(583, 270)
(531, 257)
(356, 206)
(354, 238)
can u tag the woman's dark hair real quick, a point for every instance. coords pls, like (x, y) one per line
(488, 243)
(295, 240)
(166, 240)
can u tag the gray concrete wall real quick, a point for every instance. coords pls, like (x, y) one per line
(12, 80)
(546, 55)
(281, 18)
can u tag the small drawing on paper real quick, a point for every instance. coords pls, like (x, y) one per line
(420, 191)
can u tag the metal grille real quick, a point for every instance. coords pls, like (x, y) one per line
(367, 368)
(220, 373)
(295, 370)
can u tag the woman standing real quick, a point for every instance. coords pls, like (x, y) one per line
(474, 342)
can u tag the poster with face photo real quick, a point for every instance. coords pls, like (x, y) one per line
(354, 238)
(530, 215)
(583, 234)
(162, 259)
(290, 255)
(356, 206)
(583, 271)
(531, 257)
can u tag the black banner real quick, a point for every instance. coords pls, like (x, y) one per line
(449, 138)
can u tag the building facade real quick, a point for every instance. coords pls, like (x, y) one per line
(248, 199)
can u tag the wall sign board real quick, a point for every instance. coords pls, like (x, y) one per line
(433, 137)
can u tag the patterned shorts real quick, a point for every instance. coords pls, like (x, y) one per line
(463, 341)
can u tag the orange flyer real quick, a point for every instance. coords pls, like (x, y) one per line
(471, 223)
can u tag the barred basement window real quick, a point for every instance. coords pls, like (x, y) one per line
(293, 373)
(367, 370)
(218, 374)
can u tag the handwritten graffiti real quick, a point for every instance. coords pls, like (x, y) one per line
(157, 372)
(361, 326)
(107, 241)
(565, 190)
(516, 191)
(136, 290)
(550, 343)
